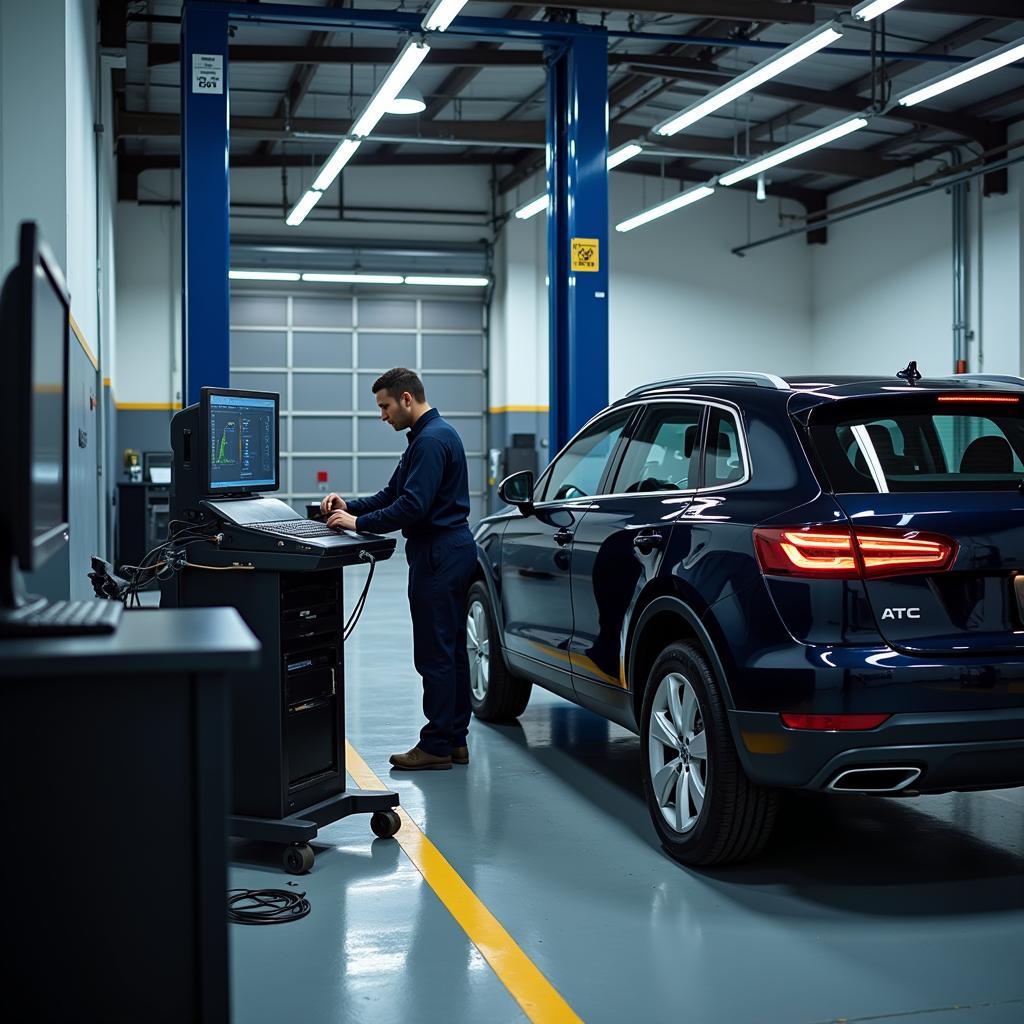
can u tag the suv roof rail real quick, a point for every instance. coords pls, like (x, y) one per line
(759, 380)
(991, 378)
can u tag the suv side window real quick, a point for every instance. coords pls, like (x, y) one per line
(578, 470)
(664, 452)
(723, 456)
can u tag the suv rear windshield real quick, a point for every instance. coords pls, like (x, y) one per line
(931, 442)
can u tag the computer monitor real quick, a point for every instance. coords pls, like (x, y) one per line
(240, 435)
(34, 319)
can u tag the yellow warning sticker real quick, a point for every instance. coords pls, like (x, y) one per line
(586, 254)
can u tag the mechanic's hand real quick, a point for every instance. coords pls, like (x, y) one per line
(332, 503)
(342, 520)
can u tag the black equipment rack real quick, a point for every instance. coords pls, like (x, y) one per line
(288, 717)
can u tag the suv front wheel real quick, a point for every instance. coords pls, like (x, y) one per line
(495, 694)
(704, 807)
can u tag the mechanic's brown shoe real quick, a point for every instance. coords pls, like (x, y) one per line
(417, 760)
(460, 755)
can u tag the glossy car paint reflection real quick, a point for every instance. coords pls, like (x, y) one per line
(582, 617)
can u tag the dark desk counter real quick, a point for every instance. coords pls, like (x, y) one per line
(114, 753)
(147, 641)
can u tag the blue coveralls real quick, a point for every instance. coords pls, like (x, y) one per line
(427, 498)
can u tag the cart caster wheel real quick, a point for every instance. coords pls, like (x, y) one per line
(298, 859)
(385, 824)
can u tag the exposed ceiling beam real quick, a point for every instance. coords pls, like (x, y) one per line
(626, 89)
(452, 85)
(499, 133)
(894, 69)
(733, 10)
(504, 134)
(302, 77)
(844, 99)
(131, 165)
(478, 56)
(986, 133)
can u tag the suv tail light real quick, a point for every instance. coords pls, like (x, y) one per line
(841, 553)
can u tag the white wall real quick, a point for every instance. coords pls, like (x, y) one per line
(55, 170)
(679, 300)
(147, 370)
(883, 285)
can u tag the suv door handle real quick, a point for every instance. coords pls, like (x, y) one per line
(646, 542)
(563, 537)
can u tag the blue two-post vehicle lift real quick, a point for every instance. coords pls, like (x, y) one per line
(577, 181)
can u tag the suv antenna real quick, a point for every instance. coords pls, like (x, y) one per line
(911, 374)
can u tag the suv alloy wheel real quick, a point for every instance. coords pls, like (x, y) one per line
(703, 806)
(494, 693)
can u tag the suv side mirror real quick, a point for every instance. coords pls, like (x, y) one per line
(517, 490)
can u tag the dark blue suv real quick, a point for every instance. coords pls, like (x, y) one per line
(801, 583)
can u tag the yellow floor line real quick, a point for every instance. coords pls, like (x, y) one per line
(536, 995)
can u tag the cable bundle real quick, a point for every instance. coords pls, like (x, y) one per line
(266, 906)
(162, 561)
(357, 611)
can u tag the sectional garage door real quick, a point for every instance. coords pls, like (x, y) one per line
(322, 354)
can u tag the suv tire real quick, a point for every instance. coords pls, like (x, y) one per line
(720, 815)
(495, 694)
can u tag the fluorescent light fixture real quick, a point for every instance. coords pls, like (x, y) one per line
(873, 8)
(354, 278)
(533, 207)
(794, 149)
(624, 153)
(458, 282)
(302, 208)
(343, 152)
(441, 14)
(693, 195)
(1009, 54)
(391, 85)
(757, 75)
(263, 275)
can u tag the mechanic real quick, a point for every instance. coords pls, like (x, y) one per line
(427, 499)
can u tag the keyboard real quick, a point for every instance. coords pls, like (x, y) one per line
(297, 528)
(64, 618)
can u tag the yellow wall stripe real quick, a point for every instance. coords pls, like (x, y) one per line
(81, 341)
(539, 999)
(148, 406)
(517, 408)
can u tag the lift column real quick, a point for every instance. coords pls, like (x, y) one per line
(205, 240)
(577, 179)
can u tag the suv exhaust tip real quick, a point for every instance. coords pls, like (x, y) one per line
(884, 779)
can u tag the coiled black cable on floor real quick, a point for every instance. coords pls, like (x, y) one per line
(266, 906)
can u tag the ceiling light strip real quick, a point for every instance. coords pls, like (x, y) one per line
(871, 9)
(263, 275)
(298, 212)
(794, 149)
(357, 277)
(693, 195)
(750, 80)
(441, 14)
(1001, 58)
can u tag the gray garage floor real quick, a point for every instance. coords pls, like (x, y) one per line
(879, 910)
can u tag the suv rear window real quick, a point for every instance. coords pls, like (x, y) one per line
(929, 443)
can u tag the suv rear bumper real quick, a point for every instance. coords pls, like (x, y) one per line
(951, 749)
